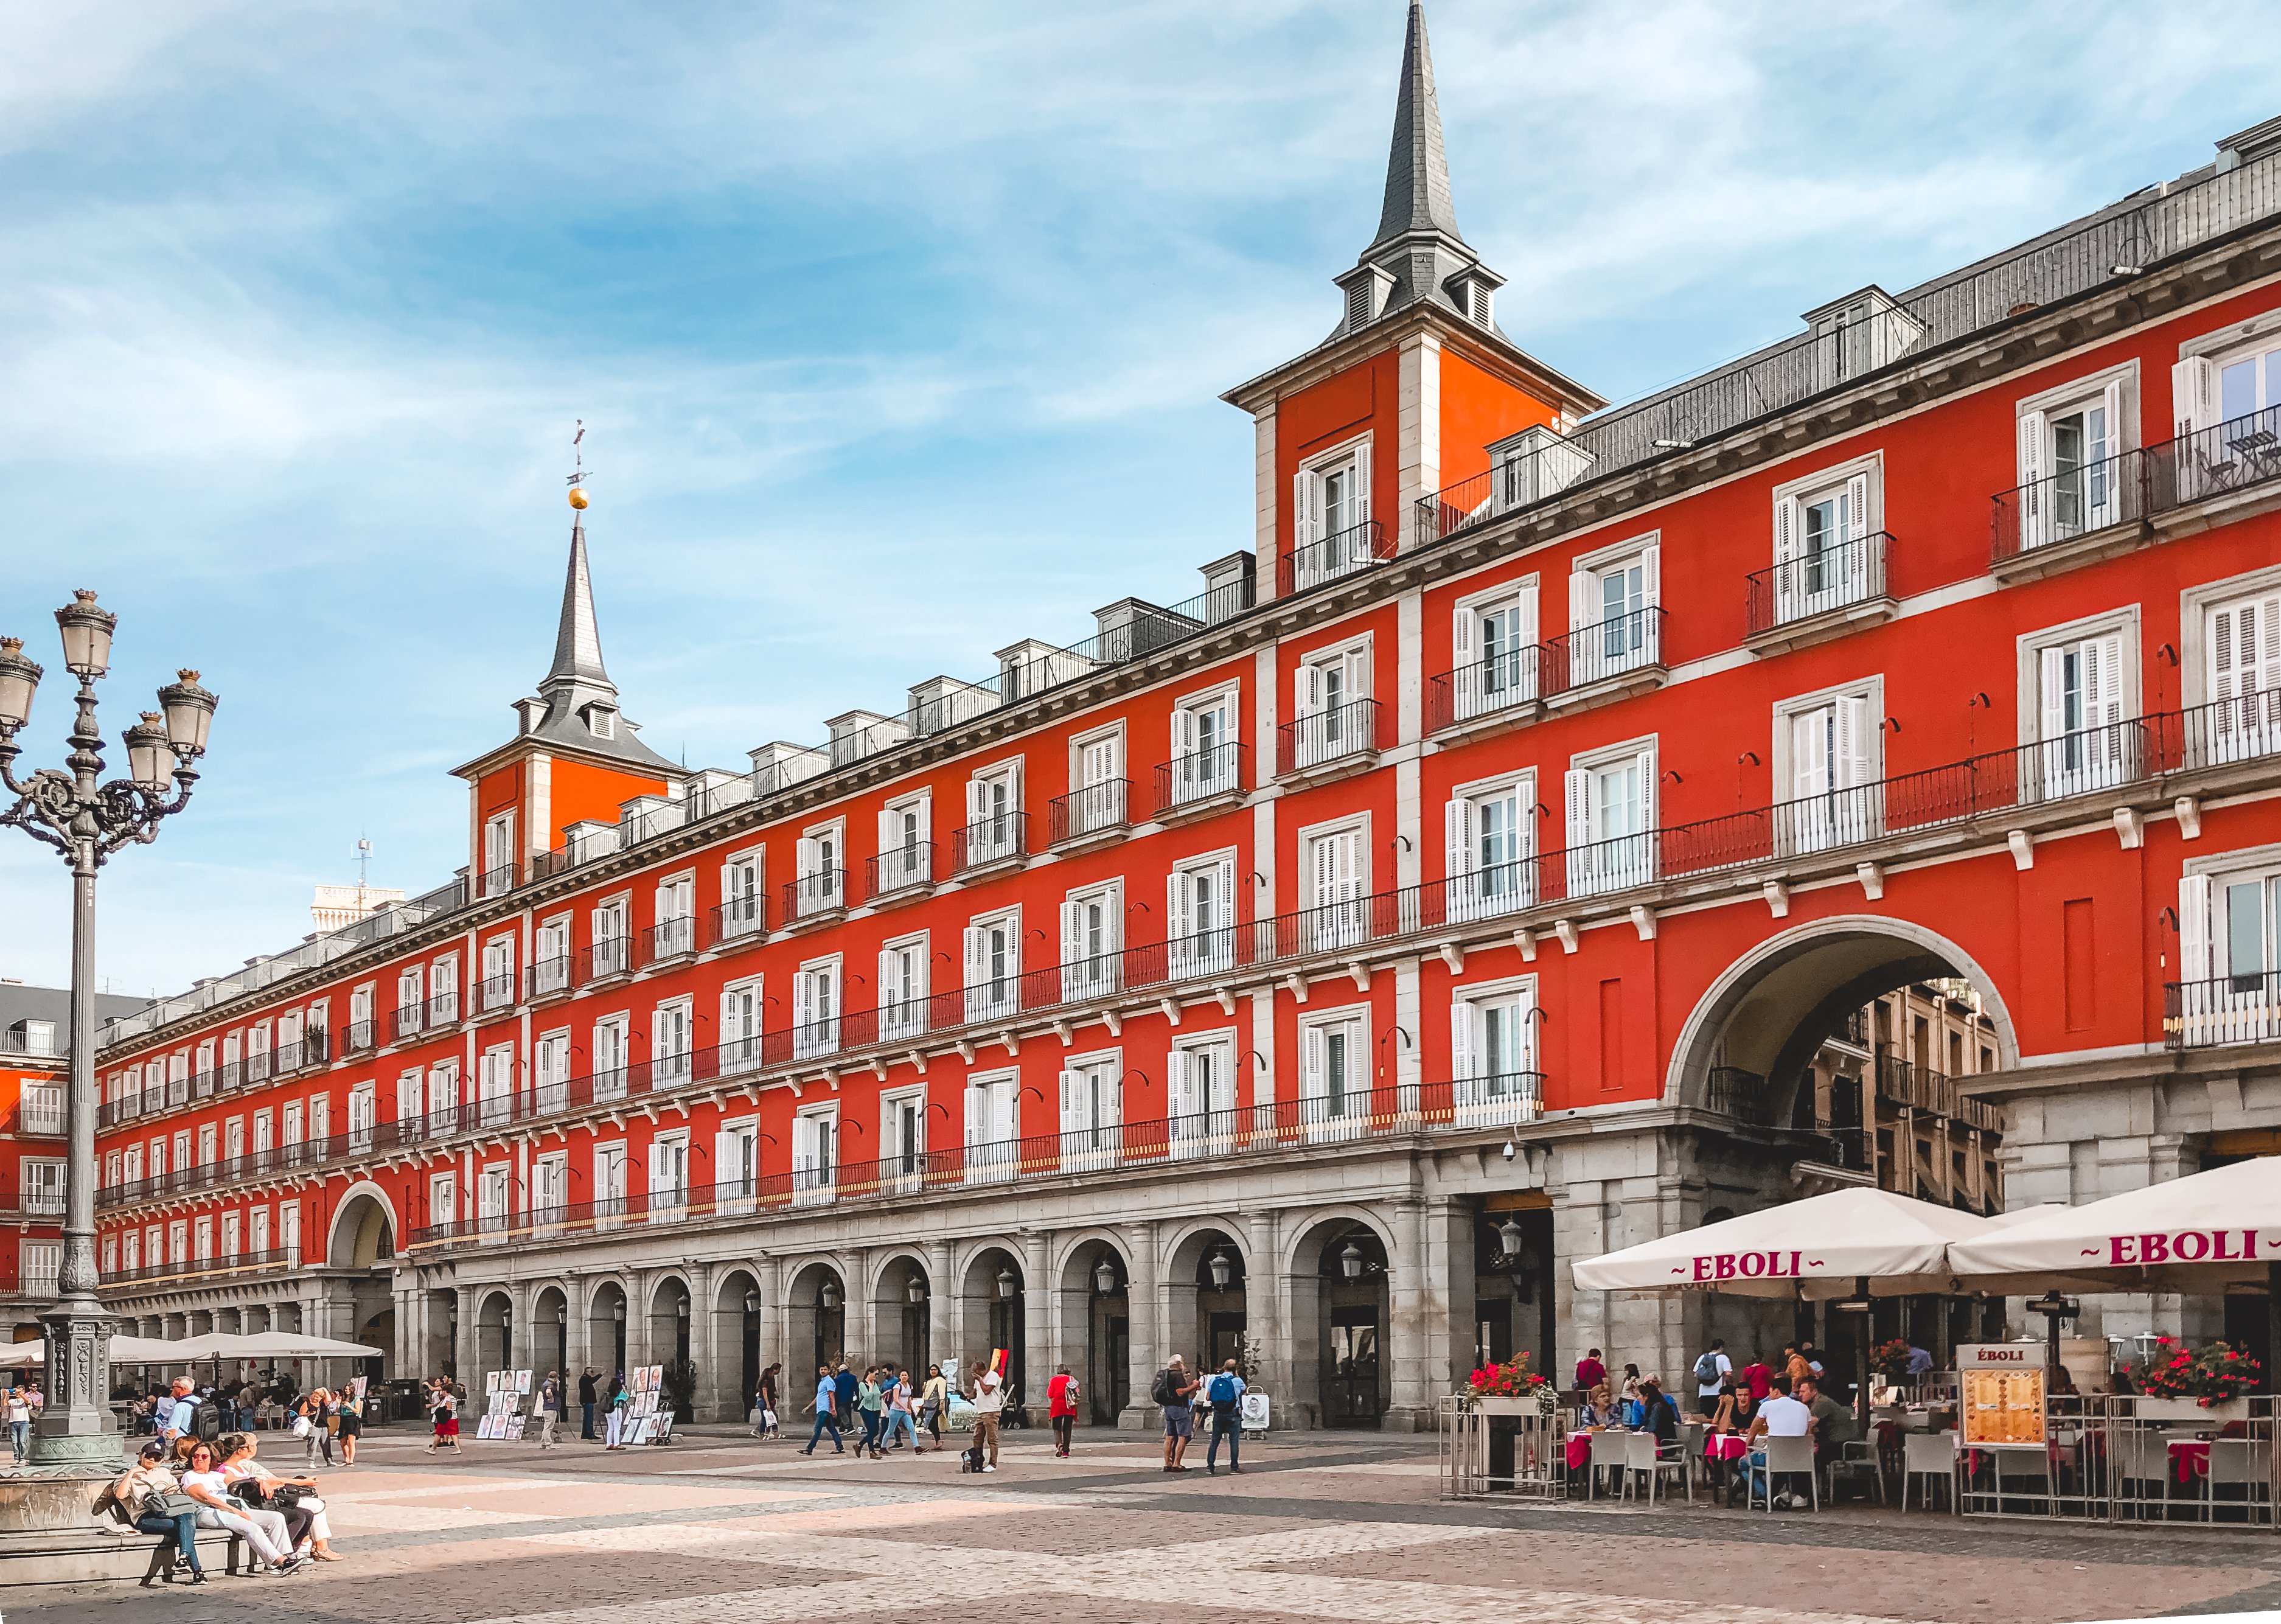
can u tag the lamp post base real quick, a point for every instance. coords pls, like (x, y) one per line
(76, 1427)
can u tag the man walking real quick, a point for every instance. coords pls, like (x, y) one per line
(843, 1393)
(178, 1415)
(1225, 1393)
(1173, 1390)
(1711, 1372)
(586, 1401)
(1590, 1372)
(827, 1415)
(550, 1409)
(989, 1401)
(1061, 1396)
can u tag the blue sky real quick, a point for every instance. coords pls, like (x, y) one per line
(898, 331)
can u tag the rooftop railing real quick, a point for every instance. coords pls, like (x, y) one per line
(2121, 243)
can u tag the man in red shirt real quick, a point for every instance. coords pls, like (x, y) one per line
(1061, 1391)
(1760, 1378)
(1590, 1372)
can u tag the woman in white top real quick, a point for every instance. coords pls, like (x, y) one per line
(307, 1517)
(264, 1531)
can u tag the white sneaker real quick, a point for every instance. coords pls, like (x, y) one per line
(990, 1468)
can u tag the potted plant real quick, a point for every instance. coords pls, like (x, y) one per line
(677, 1386)
(1511, 1388)
(1891, 1360)
(2175, 1383)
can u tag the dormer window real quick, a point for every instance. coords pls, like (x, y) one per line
(1860, 334)
(1474, 294)
(601, 722)
(1366, 288)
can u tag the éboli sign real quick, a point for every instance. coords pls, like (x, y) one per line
(2183, 1246)
(1749, 1266)
(2000, 1356)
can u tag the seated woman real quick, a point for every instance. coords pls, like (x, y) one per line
(304, 1521)
(262, 1531)
(1600, 1408)
(1657, 1414)
(149, 1477)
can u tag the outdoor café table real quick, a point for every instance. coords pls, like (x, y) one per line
(1579, 1450)
(2189, 1460)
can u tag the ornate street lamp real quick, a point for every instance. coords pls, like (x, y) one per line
(829, 1296)
(1509, 1239)
(915, 1294)
(1008, 1283)
(87, 820)
(1222, 1270)
(1350, 1261)
(1105, 1278)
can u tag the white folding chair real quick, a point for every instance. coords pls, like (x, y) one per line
(1787, 1458)
(1611, 1452)
(2136, 1459)
(1645, 1455)
(2237, 1460)
(1928, 1455)
(1857, 1460)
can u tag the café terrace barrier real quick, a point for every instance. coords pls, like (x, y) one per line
(1358, 1117)
(2093, 761)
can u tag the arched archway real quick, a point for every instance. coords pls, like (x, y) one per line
(900, 1294)
(737, 1320)
(994, 1296)
(550, 1334)
(1094, 1275)
(1205, 1274)
(494, 1336)
(606, 1333)
(816, 1315)
(364, 1229)
(1340, 1310)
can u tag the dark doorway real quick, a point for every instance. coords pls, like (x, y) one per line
(831, 1335)
(1353, 1396)
(916, 1350)
(1227, 1337)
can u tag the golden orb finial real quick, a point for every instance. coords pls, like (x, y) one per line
(577, 496)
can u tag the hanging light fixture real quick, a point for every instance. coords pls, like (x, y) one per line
(751, 1302)
(1222, 1270)
(1509, 1238)
(618, 1312)
(914, 1293)
(1008, 1284)
(1350, 1261)
(1105, 1278)
(829, 1296)
(681, 1308)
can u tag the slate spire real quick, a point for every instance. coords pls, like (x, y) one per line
(577, 638)
(1417, 167)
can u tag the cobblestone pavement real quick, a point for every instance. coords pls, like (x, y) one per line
(719, 1528)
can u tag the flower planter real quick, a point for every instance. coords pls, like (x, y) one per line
(2190, 1410)
(1492, 1406)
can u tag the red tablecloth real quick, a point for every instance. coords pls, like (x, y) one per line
(2190, 1460)
(1579, 1450)
(1725, 1446)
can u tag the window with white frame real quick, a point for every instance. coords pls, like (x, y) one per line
(259, 1221)
(670, 1042)
(110, 1255)
(233, 1236)
(320, 1117)
(1092, 932)
(668, 1169)
(443, 990)
(1098, 786)
(42, 1265)
(2233, 378)
(209, 1144)
(2241, 665)
(1610, 818)
(1092, 1109)
(994, 828)
(1335, 867)
(361, 1114)
(1826, 553)
(550, 956)
(903, 1133)
(233, 1053)
(1489, 837)
(611, 951)
(361, 1032)
(495, 1082)
(815, 1008)
(549, 1184)
(2083, 677)
(130, 1251)
(289, 1226)
(993, 965)
(992, 1125)
(2229, 947)
(409, 1104)
(203, 1066)
(1493, 651)
(42, 1181)
(1200, 915)
(411, 1001)
(906, 844)
(676, 932)
(443, 1086)
(903, 987)
(178, 1241)
(499, 854)
(821, 880)
(1206, 736)
(736, 1157)
(114, 1169)
(263, 1140)
(1200, 1087)
(290, 1128)
(43, 1108)
(742, 1007)
(2069, 438)
(494, 1196)
(257, 1052)
(1331, 528)
(498, 989)
(1333, 714)
(612, 1051)
(610, 1179)
(1615, 611)
(550, 1072)
(1827, 749)
(1335, 1081)
(815, 1152)
(743, 908)
(290, 1054)
(203, 1240)
(1493, 1048)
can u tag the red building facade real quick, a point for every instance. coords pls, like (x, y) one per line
(1458, 886)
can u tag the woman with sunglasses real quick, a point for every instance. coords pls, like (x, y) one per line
(304, 1520)
(264, 1532)
(149, 1477)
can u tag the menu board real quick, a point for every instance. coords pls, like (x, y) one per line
(2003, 1406)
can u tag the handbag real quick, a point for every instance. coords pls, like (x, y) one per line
(301, 1427)
(170, 1504)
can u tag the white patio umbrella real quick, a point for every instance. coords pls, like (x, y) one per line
(165, 1350)
(295, 1345)
(2198, 1233)
(24, 1355)
(1822, 1246)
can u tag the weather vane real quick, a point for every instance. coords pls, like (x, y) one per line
(578, 466)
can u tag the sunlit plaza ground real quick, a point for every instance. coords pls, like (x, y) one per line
(719, 1527)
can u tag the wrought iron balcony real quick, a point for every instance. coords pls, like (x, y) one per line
(1510, 680)
(356, 1037)
(1848, 577)
(1329, 737)
(611, 955)
(549, 976)
(1083, 814)
(497, 882)
(444, 1008)
(1349, 552)
(669, 939)
(1202, 777)
(410, 1020)
(904, 867)
(2224, 1009)
(281, 1259)
(740, 918)
(1625, 643)
(2236, 455)
(494, 994)
(815, 896)
(1004, 837)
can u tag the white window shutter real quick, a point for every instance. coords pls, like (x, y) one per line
(1073, 1104)
(2193, 394)
(1647, 787)
(1857, 505)
(1227, 920)
(1303, 692)
(1360, 506)
(1014, 785)
(1357, 674)
(1312, 1079)
(1461, 1041)
(2034, 433)
(1178, 927)
(888, 820)
(1528, 622)
(1177, 1084)
(976, 1120)
(1580, 599)
(2104, 686)
(1184, 732)
(2260, 657)
(888, 985)
(2194, 928)
(1072, 931)
(2053, 697)
(1457, 837)
(2111, 443)
(1578, 785)
(1306, 490)
(1461, 638)
(1856, 743)
(1809, 758)
(1785, 528)
(1325, 868)
(977, 801)
(975, 969)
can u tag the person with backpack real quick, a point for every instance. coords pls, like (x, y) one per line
(1713, 1372)
(1225, 1392)
(1174, 1391)
(1061, 1401)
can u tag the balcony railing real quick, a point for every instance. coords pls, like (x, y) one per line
(313, 1048)
(2224, 1010)
(42, 1202)
(496, 882)
(2216, 461)
(740, 918)
(494, 994)
(1097, 809)
(260, 1065)
(1733, 1092)
(1506, 681)
(356, 1037)
(41, 1111)
(1934, 1093)
(669, 939)
(201, 1083)
(1837, 578)
(1838, 354)
(1001, 838)
(1632, 641)
(1348, 552)
(409, 1020)
(444, 1008)
(1202, 776)
(902, 868)
(233, 1074)
(549, 976)
(1361, 1115)
(815, 895)
(280, 1258)
(612, 956)
(1329, 736)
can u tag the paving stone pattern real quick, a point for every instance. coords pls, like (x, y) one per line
(719, 1528)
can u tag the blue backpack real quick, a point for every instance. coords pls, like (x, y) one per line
(1223, 1389)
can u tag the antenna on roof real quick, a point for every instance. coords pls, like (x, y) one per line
(364, 861)
(577, 477)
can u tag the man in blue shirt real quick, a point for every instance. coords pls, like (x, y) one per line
(843, 1388)
(1919, 1363)
(827, 1419)
(1225, 1392)
(179, 1415)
